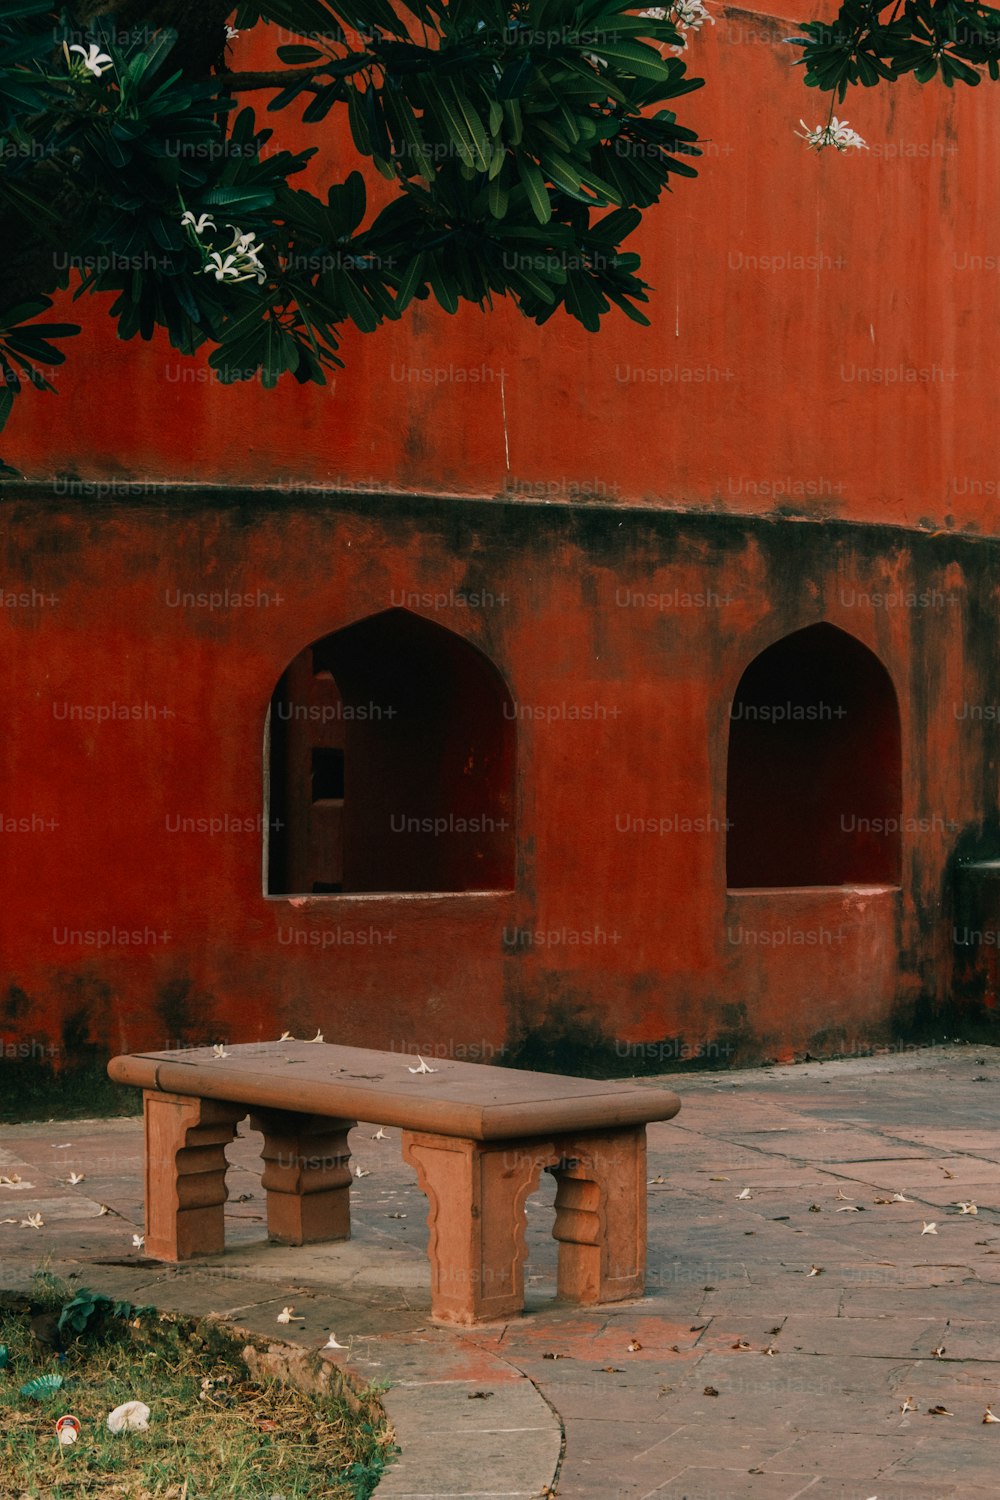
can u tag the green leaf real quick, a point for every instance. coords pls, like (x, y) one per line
(636, 59)
(534, 186)
(296, 52)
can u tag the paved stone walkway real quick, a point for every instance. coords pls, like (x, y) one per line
(793, 1306)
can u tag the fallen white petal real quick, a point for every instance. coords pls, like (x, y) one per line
(745, 1193)
(930, 1228)
(331, 1343)
(317, 1038)
(361, 1172)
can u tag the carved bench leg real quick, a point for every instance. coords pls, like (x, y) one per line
(601, 1216)
(186, 1165)
(307, 1176)
(476, 1218)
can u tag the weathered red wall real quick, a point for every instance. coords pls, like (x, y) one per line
(616, 942)
(822, 340)
(717, 466)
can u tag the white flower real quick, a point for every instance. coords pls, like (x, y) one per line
(319, 1035)
(242, 243)
(423, 1067)
(219, 1051)
(231, 33)
(361, 1172)
(967, 1208)
(331, 1343)
(930, 1228)
(94, 62)
(380, 1134)
(687, 15)
(198, 225)
(75, 1177)
(691, 15)
(33, 1221)
(836, 133)
(287, 1315)
(238, 261)
(138, 1240)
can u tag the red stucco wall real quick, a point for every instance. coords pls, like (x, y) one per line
(717, 467)
(134, 710)
(823, 337)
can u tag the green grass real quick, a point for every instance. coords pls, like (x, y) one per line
(214, 1431)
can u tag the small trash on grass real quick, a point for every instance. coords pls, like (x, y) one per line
(67, 1430)
(41, 1387)
(131, 1416)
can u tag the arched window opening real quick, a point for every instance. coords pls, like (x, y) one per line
(391, 765)
(814, 788)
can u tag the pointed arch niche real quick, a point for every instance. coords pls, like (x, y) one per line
(390, 764)
(814, 782)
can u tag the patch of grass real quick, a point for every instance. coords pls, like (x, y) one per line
(214, 1430)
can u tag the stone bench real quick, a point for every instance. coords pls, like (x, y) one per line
(478, 1137)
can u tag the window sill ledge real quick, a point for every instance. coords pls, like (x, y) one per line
(848, 889)
(340, 898)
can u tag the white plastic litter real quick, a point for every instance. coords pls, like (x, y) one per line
(132, 1415)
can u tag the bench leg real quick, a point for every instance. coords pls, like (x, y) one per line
(601, 1216)
(186, 1165)
(476, 1195)
(307, 1176)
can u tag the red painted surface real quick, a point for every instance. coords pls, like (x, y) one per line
(822, 347)
(136, 711)
(823, 338)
